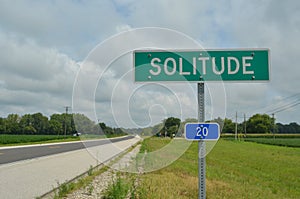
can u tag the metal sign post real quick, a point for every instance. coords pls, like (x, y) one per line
(201, 145)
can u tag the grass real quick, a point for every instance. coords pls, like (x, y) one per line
(251, 170)
(234, 170)
(63, 189)
(7, 140)
(118, 189)
(153, 144)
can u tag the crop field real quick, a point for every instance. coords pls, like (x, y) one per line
(235, 169)
(29, 139)
(288, 142)
(265, 135)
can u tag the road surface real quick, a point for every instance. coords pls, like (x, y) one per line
(34, 177)
(13, 154)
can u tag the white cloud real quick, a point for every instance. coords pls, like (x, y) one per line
(123, 27)
(34, 78)
(42, 42)
(74, 27)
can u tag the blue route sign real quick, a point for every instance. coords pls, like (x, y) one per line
(202, 131)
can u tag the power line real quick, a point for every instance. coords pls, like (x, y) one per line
(287, 107)
(279, 107)
(283, 102)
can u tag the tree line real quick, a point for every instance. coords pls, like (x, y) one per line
(57, 124)
(64, 124)
(258, 123)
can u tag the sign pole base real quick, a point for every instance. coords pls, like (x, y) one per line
(202, 169)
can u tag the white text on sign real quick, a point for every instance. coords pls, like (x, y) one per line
(230, 65)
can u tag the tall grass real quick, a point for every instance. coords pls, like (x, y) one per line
(118, 189)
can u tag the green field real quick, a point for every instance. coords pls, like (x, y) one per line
(31, 139)
(234, 170)
(289, 142)
(263, 135)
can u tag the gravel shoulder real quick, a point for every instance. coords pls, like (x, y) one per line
(102, 181)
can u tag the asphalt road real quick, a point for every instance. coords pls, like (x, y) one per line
(34, 177)
(9, 155)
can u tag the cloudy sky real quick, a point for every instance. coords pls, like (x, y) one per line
(47, 45)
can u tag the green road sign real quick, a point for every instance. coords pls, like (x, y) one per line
(202, 65)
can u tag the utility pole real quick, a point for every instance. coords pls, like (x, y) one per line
(245, 125)
(235, 134)
(67, 109)
(273, 130)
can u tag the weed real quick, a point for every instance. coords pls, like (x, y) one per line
(90, 189)
(63, 189)
(119, 189)
(90, 171)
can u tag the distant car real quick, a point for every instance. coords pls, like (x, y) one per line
(76, 134)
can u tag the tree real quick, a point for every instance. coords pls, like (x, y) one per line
(68, 123)
(12, 124)
(229, 126)
(62, 123)
(220, 121)
(119, 131)
(26, 123)
(102, 126)
(29, 130)
(172, 131)
(106, 129)
(40, 123)
(172, 126)
(156, 129)
(55, 127)
(84, 124)
(2, 125)
(292, 127)
(260, 124)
